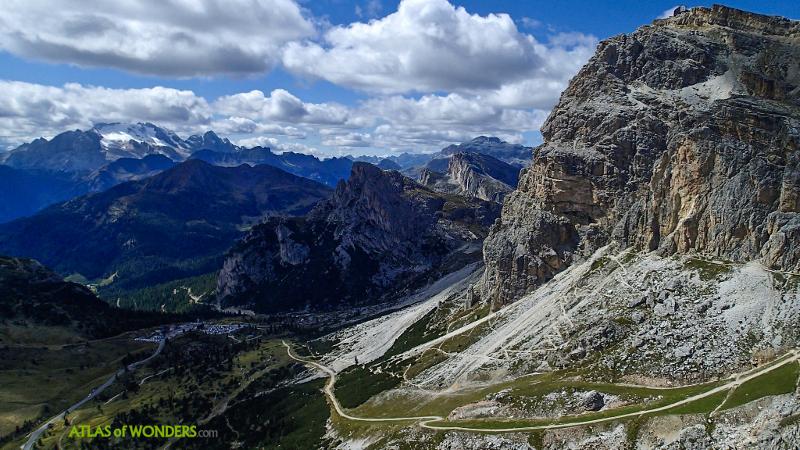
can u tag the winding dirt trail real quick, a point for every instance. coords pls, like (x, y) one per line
(428, 421)
(328, 389)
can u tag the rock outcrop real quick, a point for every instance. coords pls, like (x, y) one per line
(473, 175)
(379, 232)
(681, 137)
(514, 154)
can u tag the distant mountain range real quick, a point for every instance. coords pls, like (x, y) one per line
(327, 171)
(82, 151)
(514, 154)
(73, 163)
(171, 225)
(79, 151)
(126, 169)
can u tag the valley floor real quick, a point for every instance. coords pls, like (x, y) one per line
(561, 367)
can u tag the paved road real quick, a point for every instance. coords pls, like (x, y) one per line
(426, 421)
(35, 435)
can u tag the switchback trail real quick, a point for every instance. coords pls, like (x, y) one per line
(428, 421)
(328, 389)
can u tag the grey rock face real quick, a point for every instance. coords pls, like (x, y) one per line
(290, 252)
(473, 175)
(482, 176)
(380, 231)
(593, 401)
(680, 137)
(527, 247)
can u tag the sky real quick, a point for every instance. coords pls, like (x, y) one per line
(327, 77)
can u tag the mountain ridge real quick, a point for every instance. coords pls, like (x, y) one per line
(472, 174)
(85, 151)
(191, 212)
(378, 230)
(669, 139)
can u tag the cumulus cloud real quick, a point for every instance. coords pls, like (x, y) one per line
(30, 110)
(667, 13)
(387, 122)
(348, 139)
(430, 46)
(432, 121)
(258, 141)
(280, 147)
(435, 73)
(281, 106)
(245, 126)
(174, 38)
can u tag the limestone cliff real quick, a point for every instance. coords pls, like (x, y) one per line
(680, 137)
(379, 233)
(473, 175)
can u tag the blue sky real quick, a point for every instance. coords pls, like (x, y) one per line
(326, 70)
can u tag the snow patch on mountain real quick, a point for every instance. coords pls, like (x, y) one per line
(137, 140)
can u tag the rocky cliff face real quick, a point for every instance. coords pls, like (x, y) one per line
(680, 137)
(380, 231)
(474, 175)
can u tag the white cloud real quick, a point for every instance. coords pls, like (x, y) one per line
(430, 46)
(452, 110)
(174, 38)
(279, 147)
(258, 141)
(300, 148)
(281, 106)
(348, 140)
(424, 46)
(667, 13)
(432, 121)
(245, 126)
(30, 110)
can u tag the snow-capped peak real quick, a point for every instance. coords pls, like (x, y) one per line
(140, 139)
(78, 150)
